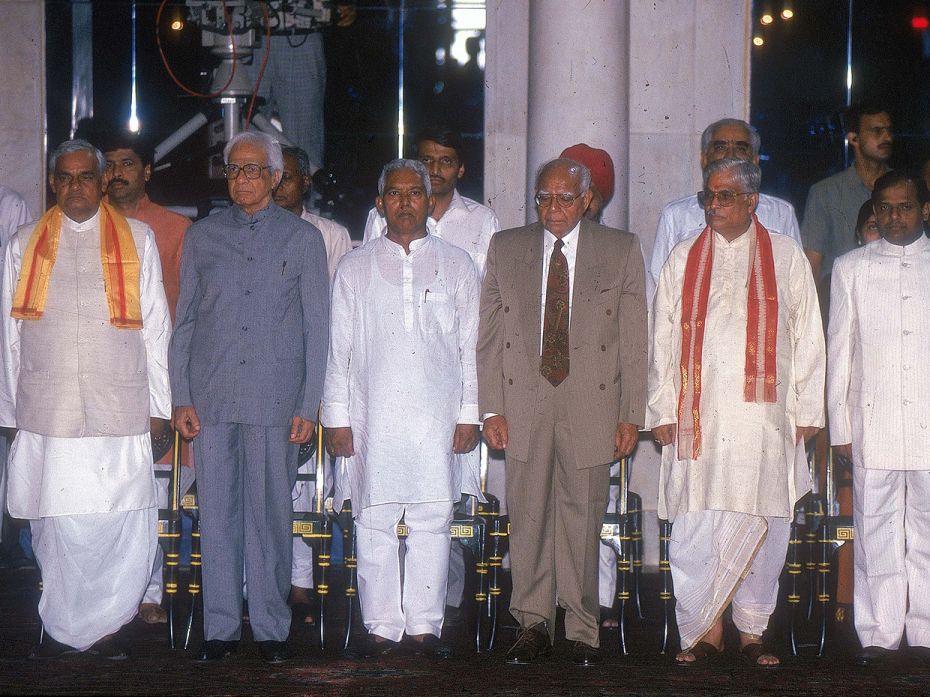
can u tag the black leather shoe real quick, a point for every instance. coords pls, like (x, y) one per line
(431, 647)
(110, 648)
(50, 649)
(531, 643)
(873, 655)
(369, 647)
(275, 651)
(585, 655)
(216, 650)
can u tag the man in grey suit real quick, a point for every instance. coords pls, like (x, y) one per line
(247, 360)
(562, 387)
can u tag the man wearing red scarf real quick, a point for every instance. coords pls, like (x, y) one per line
(735, 387)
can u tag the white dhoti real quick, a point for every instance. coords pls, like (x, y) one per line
(891, 513)
(607, 560)
(95, 568)
(390, 609)
(156, 587)
(302, 552)
(720, 557)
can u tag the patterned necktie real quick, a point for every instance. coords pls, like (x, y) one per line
(553, 363)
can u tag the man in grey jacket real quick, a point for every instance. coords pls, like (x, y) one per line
(247, 363)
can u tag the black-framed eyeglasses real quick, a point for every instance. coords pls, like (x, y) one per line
(724, 198)
(251, 170)
(565, 199)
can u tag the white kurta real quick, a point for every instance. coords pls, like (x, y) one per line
(401, 371)
(68, 476)
(749, 460)
(878, 386)
(466, 224)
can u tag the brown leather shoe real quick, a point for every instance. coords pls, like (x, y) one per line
(584, 654)
(532, 642)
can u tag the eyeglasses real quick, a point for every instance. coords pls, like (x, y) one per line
(724, 199)
(445, 161)
(63, 179)
(251, 170)
(565, 199)
(902, 209)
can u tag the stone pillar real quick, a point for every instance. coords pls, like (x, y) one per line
(578, 87)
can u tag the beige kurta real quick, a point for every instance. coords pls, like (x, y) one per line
(749, 461)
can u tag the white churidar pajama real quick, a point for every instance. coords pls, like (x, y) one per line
(749, 467)
(878, 390)
(401, 373)
(90, 500)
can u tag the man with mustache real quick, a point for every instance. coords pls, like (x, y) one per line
(878, 391)
(84, 330)
(833, 203)
(129, 162)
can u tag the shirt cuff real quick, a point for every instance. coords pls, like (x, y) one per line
(468, 414)
(335, 415)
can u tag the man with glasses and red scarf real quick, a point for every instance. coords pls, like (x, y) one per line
(735, 388)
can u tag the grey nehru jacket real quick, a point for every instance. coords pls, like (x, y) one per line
(249, 345)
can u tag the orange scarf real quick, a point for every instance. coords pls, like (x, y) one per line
(118, 256)
(761, 330)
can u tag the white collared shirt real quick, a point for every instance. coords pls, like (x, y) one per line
(570, 250)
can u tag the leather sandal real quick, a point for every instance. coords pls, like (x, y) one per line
(703, 652)
(751, 653)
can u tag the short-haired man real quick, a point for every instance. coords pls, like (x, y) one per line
(455, 218)
(684, 218)
(247, 363)
(400, 402)
(562, 387)
(84, 330)
(128, 171)
(291, 194)
(833, 203)
(879, 395)
(735, 387)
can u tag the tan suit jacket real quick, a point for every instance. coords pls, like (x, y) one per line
(607, 337)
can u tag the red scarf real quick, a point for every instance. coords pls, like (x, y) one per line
(761, 331)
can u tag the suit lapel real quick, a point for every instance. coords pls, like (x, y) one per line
(530, 285)
(587, 280)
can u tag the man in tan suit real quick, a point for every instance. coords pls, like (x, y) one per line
(562, 387)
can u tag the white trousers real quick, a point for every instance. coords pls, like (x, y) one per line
(391, 608)
(719, 558)
(156, 587)
(95, 568)
(891, 513)
(302, 553)
(607, 561)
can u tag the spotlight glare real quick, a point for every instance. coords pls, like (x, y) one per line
(767, 19)
(787, 13)
(177, 25)
(758, 40)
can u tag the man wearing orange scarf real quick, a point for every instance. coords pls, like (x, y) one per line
(84, 330)
(735, 387)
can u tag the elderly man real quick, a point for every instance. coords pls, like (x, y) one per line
(562, 382)
(468, 225)
(879, 395)
(601, 166)
(84, 341)
(735, 387)
(400, 401)
(129, 168)
(247, 363)
(290, 194)
(684, 218)
(833, 203)
(455, 218)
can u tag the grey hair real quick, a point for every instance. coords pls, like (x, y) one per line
(748, 174)
(301, 157)
(574, 169)
(395, 165)
(264, 141)
(77, 145)
(755, 142)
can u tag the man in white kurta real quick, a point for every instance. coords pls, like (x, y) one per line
(878, 390)
(468, 225)
(400, 400)
(733, 463)
(81, 464)
(683, 218)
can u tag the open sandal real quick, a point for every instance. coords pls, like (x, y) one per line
(703, 652)
(751, 653)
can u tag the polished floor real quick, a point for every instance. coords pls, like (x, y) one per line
(154, 669)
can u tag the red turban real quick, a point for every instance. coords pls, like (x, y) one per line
(600, 164)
